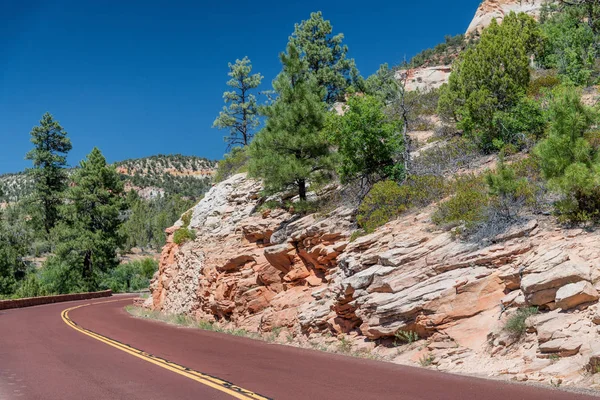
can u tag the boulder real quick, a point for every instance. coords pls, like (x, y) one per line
(540, 288)
(574, 294)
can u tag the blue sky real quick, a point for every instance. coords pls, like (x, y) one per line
(137, 78)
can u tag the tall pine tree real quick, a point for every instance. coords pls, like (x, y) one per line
(239, 114)
(89, 230)
(49, 157)
(325, 56)
(291, 151)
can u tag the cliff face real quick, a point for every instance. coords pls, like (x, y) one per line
(497, 9)
(261, 271)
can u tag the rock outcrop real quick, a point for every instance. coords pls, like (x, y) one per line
(497, 9)
(425, 78)
(270, 270)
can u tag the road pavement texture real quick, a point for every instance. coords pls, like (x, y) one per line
(98, 351)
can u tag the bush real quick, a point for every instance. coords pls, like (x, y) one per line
(387, 200)
(384, 202)
(130, 277)
(234, 162)
(468, 205)
(422, 190)
(515, 324)
(446, 159)
(539, 86)
(183, 235)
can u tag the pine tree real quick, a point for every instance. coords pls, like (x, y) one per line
(325, 56)
(492, 76)
(49, 157)
(239, 115)
(291, 151)
(89, 230)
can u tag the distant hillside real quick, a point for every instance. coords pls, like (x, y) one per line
(151, 176)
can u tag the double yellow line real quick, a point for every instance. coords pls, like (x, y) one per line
(205, 379)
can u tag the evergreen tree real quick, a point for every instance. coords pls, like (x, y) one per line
(568, 160)
(491, 77)
(325, 56)
(49, 157)
(239, 115)
(89, 230)
(383, 84)
(291, 151)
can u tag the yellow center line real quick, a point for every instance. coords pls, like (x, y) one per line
(205, 379)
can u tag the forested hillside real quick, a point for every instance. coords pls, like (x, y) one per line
(189, 176)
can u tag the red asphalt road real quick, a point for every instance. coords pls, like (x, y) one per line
(43, 358)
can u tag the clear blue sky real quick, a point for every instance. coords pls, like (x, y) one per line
(137, 78)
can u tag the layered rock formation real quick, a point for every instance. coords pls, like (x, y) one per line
(497, 9)
(265, 271)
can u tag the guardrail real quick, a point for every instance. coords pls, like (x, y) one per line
(36, 301)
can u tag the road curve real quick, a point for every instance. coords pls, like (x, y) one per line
(42, 357)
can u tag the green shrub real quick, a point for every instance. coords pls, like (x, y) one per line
(405, 337)
(186, 218)
(468, 205)
(384, 202)
(234, 162)
(183, 235)
(538, 86)
(422, 190)
(130, 277)
(515, 324)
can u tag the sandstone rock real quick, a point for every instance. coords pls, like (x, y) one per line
(574, 294)
(539, 287)
(279, 256)
(564, 347)
(498, 9)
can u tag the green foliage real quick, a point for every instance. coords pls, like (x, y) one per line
(405, 337)
(88, 233)
(291, 151)
(523, 123)
(387, 200)
(540, 85)
(508, 190)
(468, 205)
(570, 45)
(49, 157)
(325, 56)
(491, 77)
(130, 277)
(147, 220)
(240, 114)
(235, 162)
(568, 161)
(382, 85)
(184, 233)
(368, 142)
(515, 324)
(383, 203)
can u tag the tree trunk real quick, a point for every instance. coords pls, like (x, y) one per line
(302, 189)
